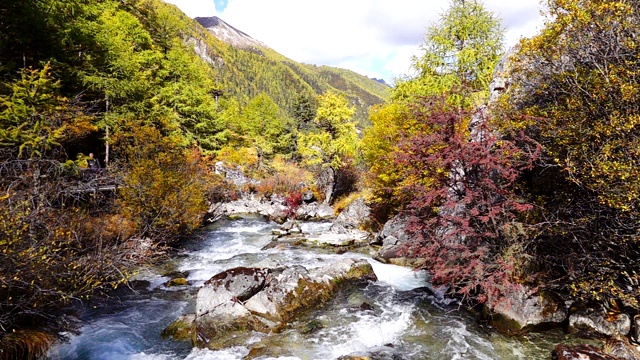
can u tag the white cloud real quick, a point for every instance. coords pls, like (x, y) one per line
(373, 37)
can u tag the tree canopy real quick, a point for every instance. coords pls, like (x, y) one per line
(575, 92)
(460, 52)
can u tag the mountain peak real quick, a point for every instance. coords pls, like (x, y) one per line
(227, 33)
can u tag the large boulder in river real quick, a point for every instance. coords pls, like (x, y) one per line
(237, 301)
(522, 310)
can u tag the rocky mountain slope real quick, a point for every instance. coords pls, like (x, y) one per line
(227, 33)
(249, 67)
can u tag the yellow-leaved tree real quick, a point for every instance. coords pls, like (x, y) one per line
(335, 144)
(575, 91)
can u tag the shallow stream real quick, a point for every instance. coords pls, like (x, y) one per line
(393, 318)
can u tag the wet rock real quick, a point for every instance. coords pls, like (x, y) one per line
(522, 310)
(292, 227)
(312, 327)
(580, 352)
(138, 285)
(591, 322)
(288, 227)
(177, 282)
(181, 329)
(257, 299)
(242, 283)
(176, 274)
(261, 351)
(365, 306)
(386, 352)
(331, 239)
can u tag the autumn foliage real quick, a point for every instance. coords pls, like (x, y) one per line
(165, 185)
(575, 90)
(463, 204)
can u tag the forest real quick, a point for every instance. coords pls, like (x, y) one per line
(538, 186)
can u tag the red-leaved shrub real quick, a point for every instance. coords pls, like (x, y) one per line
(464, 202)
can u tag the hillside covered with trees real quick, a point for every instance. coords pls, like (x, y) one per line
(157, 100)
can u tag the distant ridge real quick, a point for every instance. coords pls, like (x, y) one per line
(381, 81)
(227, 33)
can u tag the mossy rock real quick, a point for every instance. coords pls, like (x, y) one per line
(177, 282)
(261, 351)
(312, 327)
(181, 329)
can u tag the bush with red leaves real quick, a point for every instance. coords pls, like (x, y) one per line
(464, 201)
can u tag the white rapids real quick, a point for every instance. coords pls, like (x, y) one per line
(395, 317)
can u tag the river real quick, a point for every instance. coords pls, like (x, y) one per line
(400, 320)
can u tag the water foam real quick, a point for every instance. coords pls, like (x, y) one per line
(398, 277)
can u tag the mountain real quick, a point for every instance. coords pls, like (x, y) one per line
(250, 67)
(228, 33)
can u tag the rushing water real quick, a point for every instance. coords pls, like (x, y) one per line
(400, 321)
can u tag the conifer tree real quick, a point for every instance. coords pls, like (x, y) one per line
(459, 55)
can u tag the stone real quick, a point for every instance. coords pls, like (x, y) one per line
(273, 208)
(233, 175)
(635, 333)
(392, 238)
(181, 329)
(592, 322)
(291, 226)
(240, 300)
(621, 350)
(347, 239)
(308, 197)
(177, 282)
(522, 311)
(312, 327)
(347, 227)
(579, 352)
(355, 215)
(500, 82)
(386, 352)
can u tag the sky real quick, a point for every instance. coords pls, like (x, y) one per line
(376, 38)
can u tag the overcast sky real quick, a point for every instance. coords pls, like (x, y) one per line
(375, 38)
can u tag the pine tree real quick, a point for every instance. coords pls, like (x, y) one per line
(460, 54)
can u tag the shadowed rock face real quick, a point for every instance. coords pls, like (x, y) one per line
(522, 311)
(592, 322)
(235, 302)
